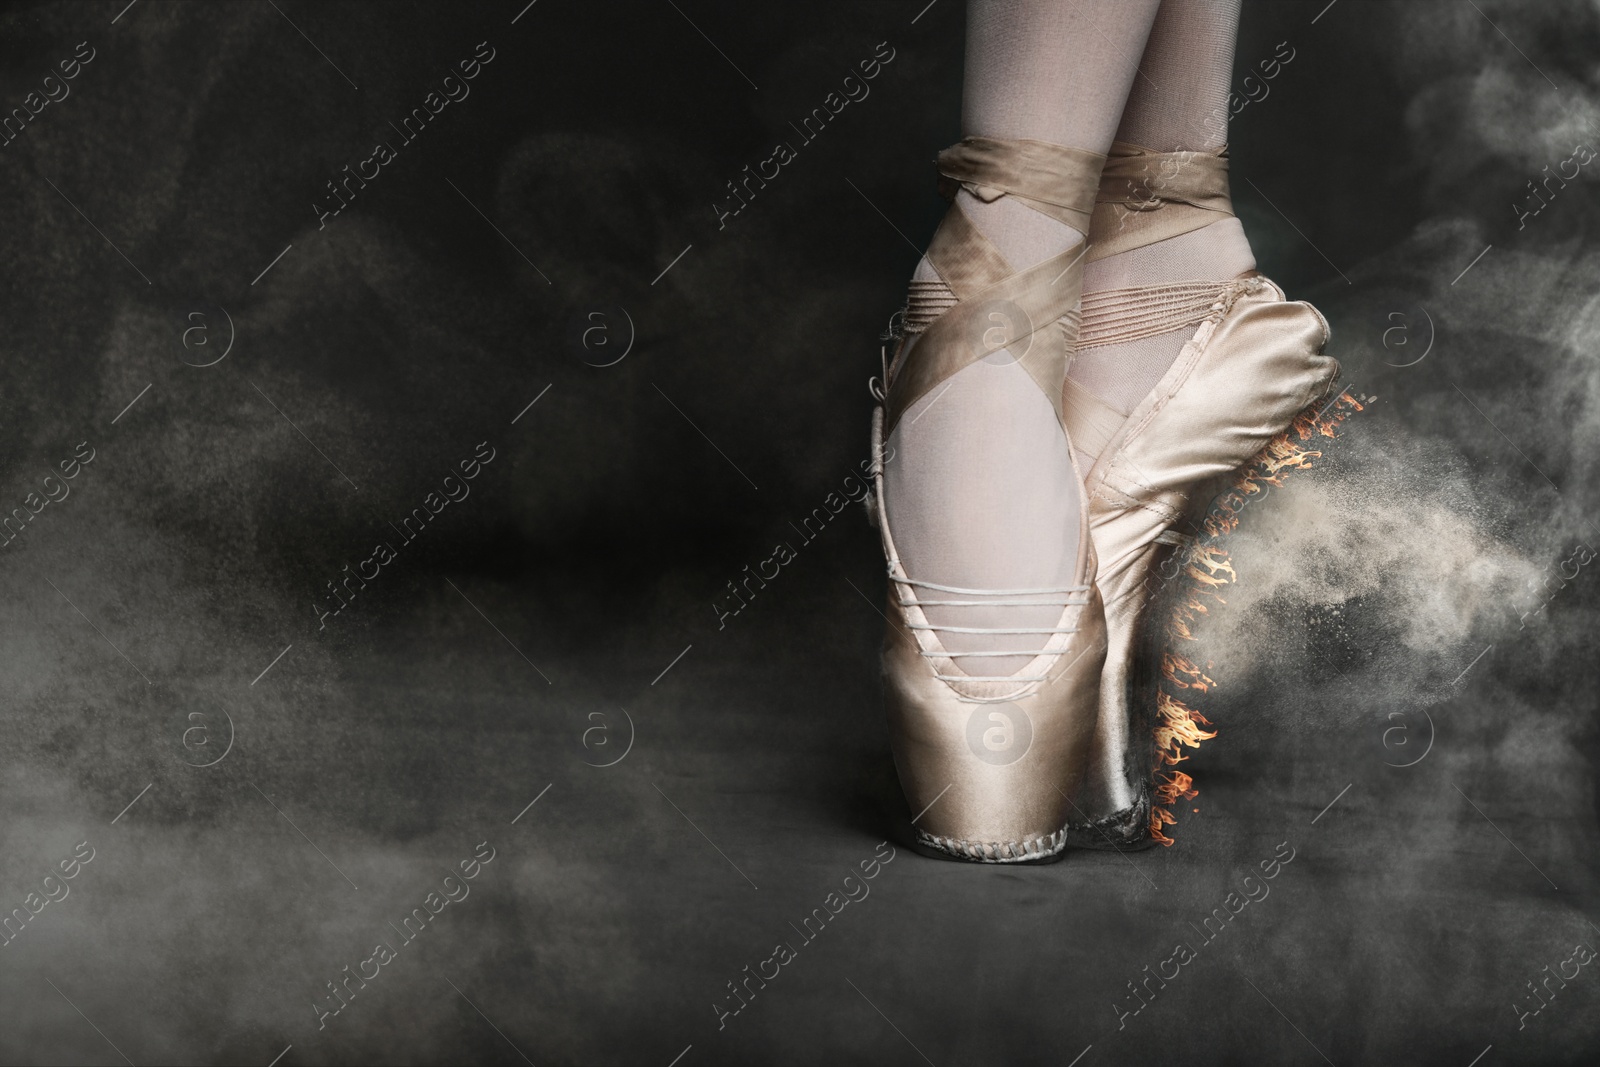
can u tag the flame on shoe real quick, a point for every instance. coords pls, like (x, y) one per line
(1207, 570)
(1184, 674)
(1179, 727)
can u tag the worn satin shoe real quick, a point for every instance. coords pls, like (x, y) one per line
(990, 765)
(1254, 363)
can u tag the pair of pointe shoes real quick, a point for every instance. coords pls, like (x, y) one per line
(1016, 769)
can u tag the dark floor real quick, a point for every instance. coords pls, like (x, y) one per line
(1405, 669)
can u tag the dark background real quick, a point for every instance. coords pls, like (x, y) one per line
(1397, 586)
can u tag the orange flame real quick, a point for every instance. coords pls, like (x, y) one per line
(1207, 569)
(1177, 785)
(1204, 582)
(1178, 725)
(1327, 424)
(1184, 674)
(1160, 817)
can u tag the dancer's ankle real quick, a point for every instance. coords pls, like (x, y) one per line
(1120, 374)
(1024, 236)
(1218, 252)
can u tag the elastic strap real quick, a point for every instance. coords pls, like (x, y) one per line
(1117, 316)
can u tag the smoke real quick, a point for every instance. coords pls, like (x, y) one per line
(1424, 564)
(414, 326)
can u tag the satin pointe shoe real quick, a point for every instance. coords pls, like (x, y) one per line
(1254, 363)
(990, 764)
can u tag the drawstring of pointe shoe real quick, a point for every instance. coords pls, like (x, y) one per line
(909, 599)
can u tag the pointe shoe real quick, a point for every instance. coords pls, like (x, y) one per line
(1254, 363)
(990, 764)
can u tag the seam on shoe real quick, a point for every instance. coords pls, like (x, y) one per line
(1129, 503)
(997, 851)
(1327, 330)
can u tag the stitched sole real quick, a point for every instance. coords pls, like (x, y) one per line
(1030, 851)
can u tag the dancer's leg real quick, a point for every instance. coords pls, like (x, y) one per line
(981, 490)
(1179, 104)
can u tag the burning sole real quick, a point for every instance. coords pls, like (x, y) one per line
(1170, 681)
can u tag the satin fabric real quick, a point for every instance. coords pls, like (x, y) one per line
(1147, 196)
(1054, 180)
(1254, 365)
(977, 809)
(1031, 313)
(1013, 807)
